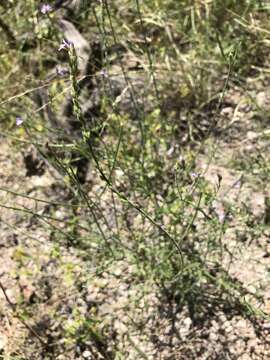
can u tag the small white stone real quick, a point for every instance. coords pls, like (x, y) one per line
(187, 323)
(87, 355)
(3, 342)
(61, 357)
(213, 336)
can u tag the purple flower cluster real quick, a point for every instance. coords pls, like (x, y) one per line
(46, 8)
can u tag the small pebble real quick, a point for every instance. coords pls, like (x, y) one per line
(87, 355)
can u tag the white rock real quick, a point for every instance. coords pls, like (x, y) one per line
(3, 342)
(87, 355)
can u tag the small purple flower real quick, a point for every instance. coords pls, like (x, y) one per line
(237, 184)
(19, 121)
(195, 175)
(46, 8)
(61, 71)
(65, 45)
(104, 73)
